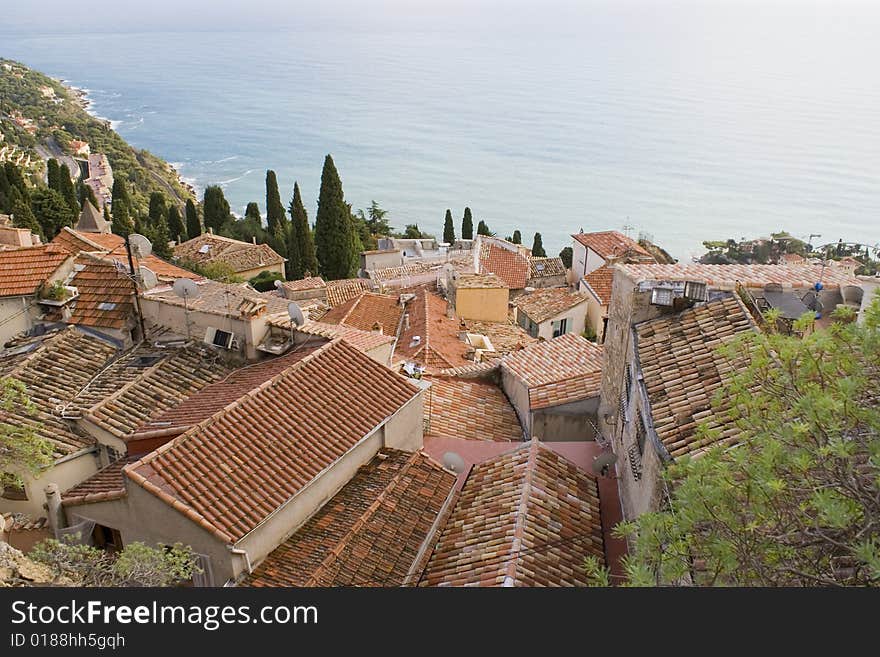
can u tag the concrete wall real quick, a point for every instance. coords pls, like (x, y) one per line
(67, 475)
(482, 304)
(567, 422)
(548, 281)
(578, 258)
(392, 258)
(596, 314)
(576, 316)
(16, 317)
(248, 274)
(518, 394)
(382, 353)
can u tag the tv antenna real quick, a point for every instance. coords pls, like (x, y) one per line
(452, 461)
(186, 289)
(602, 463)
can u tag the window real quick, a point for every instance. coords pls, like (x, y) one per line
(222, 338)
(641, 434)
(107, 538)
(11, 488)
(560, 327)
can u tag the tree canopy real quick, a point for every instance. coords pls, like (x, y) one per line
(301, 250)
(193, 225)
(467, 225)
(334, 242)
(215, 208)
(538, 247)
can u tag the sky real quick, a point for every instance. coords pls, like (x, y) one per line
(478, 16)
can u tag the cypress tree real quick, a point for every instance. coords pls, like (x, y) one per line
(215, 207)
(52, 175)
(122, 224)
(193, 225)
(176, 227)
(86, 193)
(51, 211)
(538, 247)
(15, 178)
(517, 237)
(68, 191)
(23, 217)
(448, 228)
(160, 240)
(566, 256)
(483, 228)
(253, 212)
(333, 240)
(302, 254)
(274, 210)
(120, 193)
(467, 225)
(158, 209)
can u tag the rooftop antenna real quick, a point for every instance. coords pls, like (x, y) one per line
(137, 246)
(452, 461)
(627, 227)
(187, 289)
(602, 463)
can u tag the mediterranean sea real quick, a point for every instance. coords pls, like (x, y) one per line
(680, 127)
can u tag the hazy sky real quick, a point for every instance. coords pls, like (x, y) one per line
(480, 16)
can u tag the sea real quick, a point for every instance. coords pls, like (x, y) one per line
(662, 123)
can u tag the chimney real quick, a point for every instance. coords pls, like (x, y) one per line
(211, 230)
(55, 512)
(254, 239)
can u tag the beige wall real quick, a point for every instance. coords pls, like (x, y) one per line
(16, 317)
(67, 475)
(248, 274)
(596, 314)
(382, 353)
(548, 281)
(381, 260)
(567, 422)
(482, 304)
(576, 316)
(518, 394)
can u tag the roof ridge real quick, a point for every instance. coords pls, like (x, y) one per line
(512, 566)
(79, 236)
(50, 340)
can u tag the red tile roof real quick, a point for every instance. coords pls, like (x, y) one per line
(201, 405)
(511, 266)
(311, 283)
(371, 533)
(469, 408)
(347, 288)
(105, 485)
(546, 267)
(366, 311)
(240, 256)
(525, 518)
(231, 471)
(105, 294)
(24, 270)
(727, 276)
(682, 372)
(558, 371)
(362, 340)
(438, 345)
(612, 244)
(600, 281)
(547, 303)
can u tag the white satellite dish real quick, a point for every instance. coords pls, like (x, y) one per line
(454, 462)
(184, 287)
(278, 283)
(148, 277)
(602, 462)
(296, 314)
(140, 246)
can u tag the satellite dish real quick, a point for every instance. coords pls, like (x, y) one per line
(454, 462)
(148, 277)
(602, 462)
(278, 283)
(296, 314)
(184, 287)
(140, 246)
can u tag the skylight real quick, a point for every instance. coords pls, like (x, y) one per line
(106, 305)
(204, 248)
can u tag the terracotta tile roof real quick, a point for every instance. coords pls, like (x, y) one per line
(612, 244)
(231, 471)
(105, 294)
(54, 368)
(24, 270)
(387, 274)
(479, 281)
(241, 256)
(371, 533)
(525, 518)
(199, 406)
(113, 246)
(144, 383)
(509, 265)
(727, 276)
(558, 371)
(474, 370)
(366, 311)
(362, 340)
(238, 300)
(472, 409)
(438, 345)
(600, 281)
(545, 267)
(504, 336)
(547, 303)
(345, 289)
(311, 283)
(105, 485)
(682, 370)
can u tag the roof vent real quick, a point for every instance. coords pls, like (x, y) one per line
(416, 341)
(204, 248)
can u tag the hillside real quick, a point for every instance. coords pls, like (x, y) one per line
(39, 117)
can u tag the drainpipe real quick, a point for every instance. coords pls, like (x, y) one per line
(55, 512)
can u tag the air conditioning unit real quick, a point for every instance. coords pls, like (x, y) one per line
(696, 291)
(220, 338)
(662, 296)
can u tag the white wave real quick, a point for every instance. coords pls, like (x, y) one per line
(223, 183)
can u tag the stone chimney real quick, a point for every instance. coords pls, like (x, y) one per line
(55, 512)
